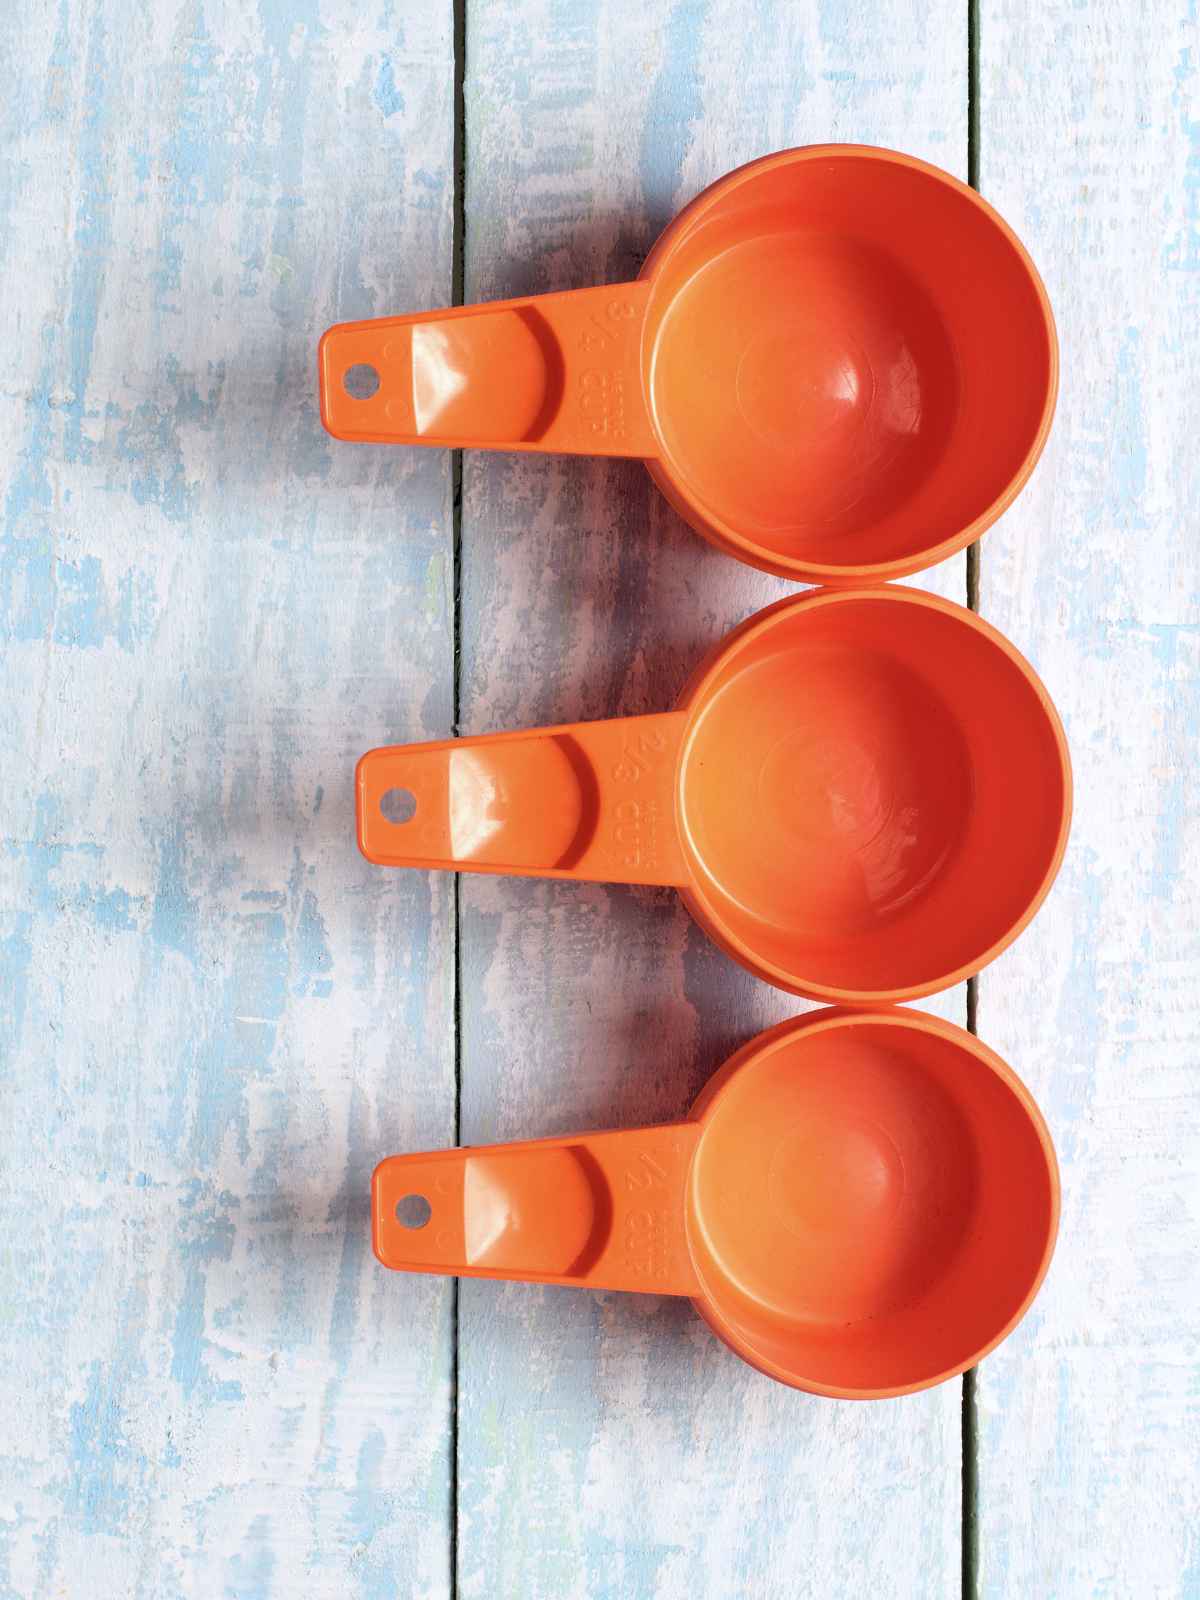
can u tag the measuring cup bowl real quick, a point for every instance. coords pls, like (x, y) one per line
(863, 796)
(838, 363)
(860, 1204)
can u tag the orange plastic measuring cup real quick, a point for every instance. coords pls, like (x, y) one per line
(838, 363)
(863, 795)
(860, 1204)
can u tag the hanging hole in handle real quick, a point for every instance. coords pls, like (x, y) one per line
(398, 805)
(360, 381)
(414, 1211)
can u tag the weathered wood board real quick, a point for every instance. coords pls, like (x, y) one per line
(1089, 1460)
(213, 1013)
(608, 1445)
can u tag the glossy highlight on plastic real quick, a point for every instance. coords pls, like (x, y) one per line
(860, 1204)
(838, 363)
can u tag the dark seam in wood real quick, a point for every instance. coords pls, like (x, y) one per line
(970, 1401)
(457, 281)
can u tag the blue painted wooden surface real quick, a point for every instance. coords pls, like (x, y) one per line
(608, 1445)
(1090, 1432)
(214, 1014)
(214, 1017)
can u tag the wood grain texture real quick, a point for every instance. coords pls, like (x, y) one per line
(214, 1017)
(213, 1014)
(1090, 1418)
(609, 1446)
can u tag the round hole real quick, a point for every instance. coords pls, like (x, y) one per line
(360, 381)
(414, 1211)
(398, 805)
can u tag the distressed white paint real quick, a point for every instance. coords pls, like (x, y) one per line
(1090, 1458)
(213, 1014)
(609, 1446)
(213, 1017)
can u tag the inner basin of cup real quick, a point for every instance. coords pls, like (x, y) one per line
(847, 360)
(869, 1206)
(872, 795)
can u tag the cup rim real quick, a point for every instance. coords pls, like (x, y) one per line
(695, 698)
(743, 547)
(834, 1018)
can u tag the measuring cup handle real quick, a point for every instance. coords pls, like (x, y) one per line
(601, 1211)
(558, 372)
(593, 800)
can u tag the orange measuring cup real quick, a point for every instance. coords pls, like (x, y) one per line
(863, 795)
(838, 363)
(860, 1204)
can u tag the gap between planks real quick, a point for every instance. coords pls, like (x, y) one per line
(970, 1396)
(457, 281)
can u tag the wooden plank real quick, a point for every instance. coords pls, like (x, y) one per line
(608, 1445)
(1090, 1419)
(214, 1015)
